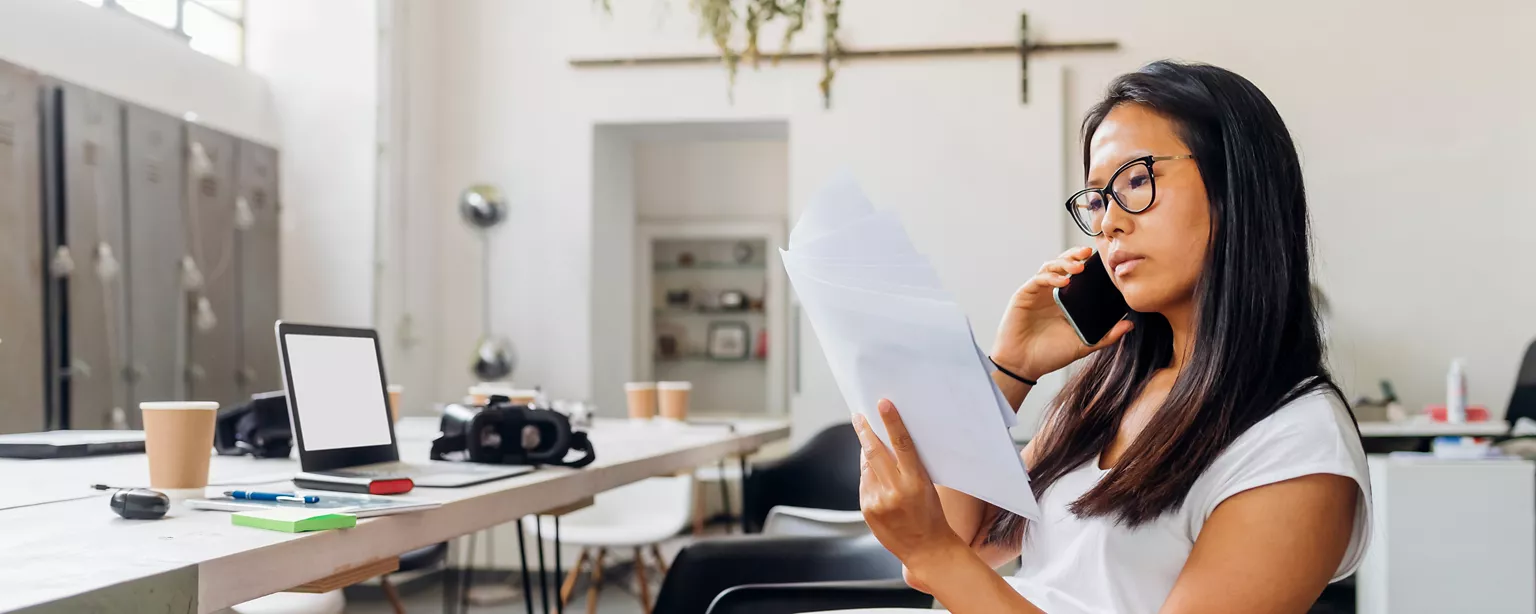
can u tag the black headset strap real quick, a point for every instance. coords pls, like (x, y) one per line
(581, 443)
(447, 443)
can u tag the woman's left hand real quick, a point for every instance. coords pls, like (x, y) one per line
(897, 497)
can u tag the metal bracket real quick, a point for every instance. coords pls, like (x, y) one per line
(1023, 48)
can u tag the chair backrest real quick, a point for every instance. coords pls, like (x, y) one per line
(823, 473)
(1522, 402)
(708, 567)
(821, 597)
(668, 496)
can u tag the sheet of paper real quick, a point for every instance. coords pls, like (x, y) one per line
(889, 330)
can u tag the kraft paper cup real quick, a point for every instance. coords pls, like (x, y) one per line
(178, 437)
(642, 400)
(395, 390)
(674, 399)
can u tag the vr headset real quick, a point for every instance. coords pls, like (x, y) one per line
(259, 428)
(504, 433)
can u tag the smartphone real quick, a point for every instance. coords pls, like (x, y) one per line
(1091, 302)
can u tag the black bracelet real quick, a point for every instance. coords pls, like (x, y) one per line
(1023, 380)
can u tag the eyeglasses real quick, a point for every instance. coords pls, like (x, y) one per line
(1131, 187)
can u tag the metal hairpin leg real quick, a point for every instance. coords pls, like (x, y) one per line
(449, 579)
(745, 528)
(725, 497)
(522, 555)
(559, 571)
(467, 580)
(538, 525)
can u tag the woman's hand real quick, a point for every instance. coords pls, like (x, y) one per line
(902, 509)
(1035, 337)
(896, 496)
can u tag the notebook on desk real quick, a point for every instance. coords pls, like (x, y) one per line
(339, 406)
(70, 444)
(362, 506)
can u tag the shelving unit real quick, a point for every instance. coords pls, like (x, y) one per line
(696, 263)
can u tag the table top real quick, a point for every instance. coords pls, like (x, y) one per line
(78, 555)
(1433, 429)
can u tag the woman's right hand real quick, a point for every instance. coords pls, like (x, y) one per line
(1035, 337)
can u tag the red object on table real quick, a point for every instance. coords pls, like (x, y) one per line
(1475, 413)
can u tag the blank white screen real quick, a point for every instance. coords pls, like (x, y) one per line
(338, 392)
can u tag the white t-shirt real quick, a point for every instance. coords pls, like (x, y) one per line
(1077, 565)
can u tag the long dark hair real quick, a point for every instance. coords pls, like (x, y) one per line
(1256, 340)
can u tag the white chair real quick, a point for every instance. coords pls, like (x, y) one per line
(813, 522)
(295, 603)
(638, 516)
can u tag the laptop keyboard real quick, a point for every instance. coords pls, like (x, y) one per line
(411, 470)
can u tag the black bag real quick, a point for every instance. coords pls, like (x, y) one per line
(259, 428)
(502, 433)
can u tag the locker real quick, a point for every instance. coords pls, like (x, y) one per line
(93, 320)
(214, 360)
(23, 354)
(258, 257)
(155, 168)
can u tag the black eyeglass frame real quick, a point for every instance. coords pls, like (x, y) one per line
(1108, 193)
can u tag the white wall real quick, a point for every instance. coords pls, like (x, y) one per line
(712, 179)
(1393, 131)
(614, 320)
(118, 54)
(521, 117)
(321, 61)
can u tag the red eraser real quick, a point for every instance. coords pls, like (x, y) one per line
(393, 486)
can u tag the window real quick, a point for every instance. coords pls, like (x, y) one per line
(214, 27)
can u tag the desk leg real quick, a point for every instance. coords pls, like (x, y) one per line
(725, 497)
(745, 526)
(522, 555)
(538, 523)
(467, 581)
(559, 573)
(448, 581)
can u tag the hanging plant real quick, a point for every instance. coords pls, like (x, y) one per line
(719, 20)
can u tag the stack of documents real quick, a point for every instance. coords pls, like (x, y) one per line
(890, 331)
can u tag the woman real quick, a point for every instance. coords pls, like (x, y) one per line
(1202, 459)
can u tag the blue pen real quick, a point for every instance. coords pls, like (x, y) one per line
(271, 496)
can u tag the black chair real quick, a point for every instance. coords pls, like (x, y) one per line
(1522, 403)
(823, 473)
(819, 596)
(708, 567)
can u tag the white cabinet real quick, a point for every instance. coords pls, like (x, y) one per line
(1450, 536)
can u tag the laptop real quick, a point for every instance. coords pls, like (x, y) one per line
(70, 444)
(339, 405)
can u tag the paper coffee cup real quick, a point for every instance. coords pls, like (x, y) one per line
(395, 390)
(178, 437)
(674, 399)
(642, 400)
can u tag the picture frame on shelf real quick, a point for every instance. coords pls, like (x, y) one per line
(729, 340)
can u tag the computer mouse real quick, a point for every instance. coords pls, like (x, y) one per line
(140, 504)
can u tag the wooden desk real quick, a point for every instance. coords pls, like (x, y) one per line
(75, 556)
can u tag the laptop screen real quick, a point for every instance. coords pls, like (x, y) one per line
(338, 392)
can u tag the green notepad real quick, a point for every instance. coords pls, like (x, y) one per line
(294, 520)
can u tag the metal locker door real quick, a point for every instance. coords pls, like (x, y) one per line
(22, 356)
(258, 249)
(215, 332)
(156, 243)
(96, 320)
